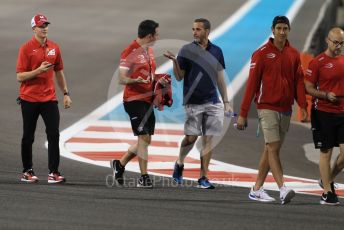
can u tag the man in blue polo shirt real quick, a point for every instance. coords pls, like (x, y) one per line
(201, 65)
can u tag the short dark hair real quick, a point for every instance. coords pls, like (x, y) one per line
(147, 27)
(280, 19)
(205, 22)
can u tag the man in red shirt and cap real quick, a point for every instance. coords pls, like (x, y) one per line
(39, 60)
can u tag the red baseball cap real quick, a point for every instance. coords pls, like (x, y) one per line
(39, 20)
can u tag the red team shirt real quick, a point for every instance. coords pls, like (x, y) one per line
(327, 74)
(31, 55)
(139, 63)
(275, 79)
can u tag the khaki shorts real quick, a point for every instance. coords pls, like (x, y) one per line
(204, 120)
(273, 124)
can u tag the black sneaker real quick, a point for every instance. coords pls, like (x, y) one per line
(332, 184)
(178, 173)
(330, 199)
(145, 182)
(117, 170)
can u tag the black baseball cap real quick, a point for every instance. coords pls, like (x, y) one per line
(280, 19)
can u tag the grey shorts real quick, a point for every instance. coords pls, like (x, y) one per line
(274, 124)
(204, 120)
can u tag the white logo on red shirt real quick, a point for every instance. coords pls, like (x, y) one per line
(271, 55)
(309, 72)
(263, 48)
(51, 52)
(141, 58)
(329, 65)
(252, 65)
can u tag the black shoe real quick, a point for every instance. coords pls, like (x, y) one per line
(117, 170)
(329, 199)
(145, 182)
(333, 186)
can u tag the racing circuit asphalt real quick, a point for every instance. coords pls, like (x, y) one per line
(91, 35)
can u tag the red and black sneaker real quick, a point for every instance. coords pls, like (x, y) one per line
(56, 177)
(29, 176)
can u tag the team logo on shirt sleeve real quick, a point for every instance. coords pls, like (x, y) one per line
(123, 63)
(252, 65)
(263, 48)
(309, 72)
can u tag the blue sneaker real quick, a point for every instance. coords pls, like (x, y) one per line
(204, 183)
(178, 173)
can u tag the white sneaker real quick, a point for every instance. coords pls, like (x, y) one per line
(286, 194)
(260, 195)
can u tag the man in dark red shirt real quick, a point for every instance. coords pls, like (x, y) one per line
(136, 71)
(38, 61)
(275, 80)
(325, 82)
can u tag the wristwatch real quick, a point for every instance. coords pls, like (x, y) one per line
(66, 94)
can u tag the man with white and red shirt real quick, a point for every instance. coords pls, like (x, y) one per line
(325, 82)
(39, 60)
(136, 71)
(275, 81)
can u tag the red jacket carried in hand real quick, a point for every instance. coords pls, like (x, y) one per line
(162, 95)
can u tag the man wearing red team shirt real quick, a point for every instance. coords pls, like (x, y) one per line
(275, 80)
(325, 82)
(136, 72)
(39, 60)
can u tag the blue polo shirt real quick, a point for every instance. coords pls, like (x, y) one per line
(201, 68)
